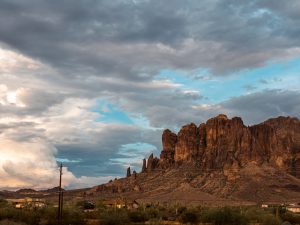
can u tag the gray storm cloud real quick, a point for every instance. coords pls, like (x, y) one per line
(108, 37)
(59, 59)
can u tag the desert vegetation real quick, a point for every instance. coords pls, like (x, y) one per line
(81, 213)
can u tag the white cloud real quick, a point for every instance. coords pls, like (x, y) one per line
(52, 77)
(29, 164)
(12, 61)
(33, 165)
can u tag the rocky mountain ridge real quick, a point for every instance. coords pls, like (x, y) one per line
(223, 143)
(221, 159)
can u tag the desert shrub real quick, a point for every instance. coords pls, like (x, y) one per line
(154, 222)
(168, 214)
(270, 219)
(189, 216)
(9, 222)
(286, 223)
(3, 203)
(278, 210)
(181, 209)
(254, 214)
(113, 217)
(137, 216)
(69, 217)
(265, 216)
(154, 212)
(18, 215)
(223, 216)
(73, 218)
(48, 216)
(290, 217)
(100, 205)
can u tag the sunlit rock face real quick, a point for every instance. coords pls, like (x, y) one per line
(286, 148)
(222, 142)
(187, 145)
(220, 159)
(169, 140)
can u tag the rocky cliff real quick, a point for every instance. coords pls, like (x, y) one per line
(220, 160)
(223, 143)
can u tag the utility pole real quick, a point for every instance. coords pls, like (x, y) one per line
(60, 196)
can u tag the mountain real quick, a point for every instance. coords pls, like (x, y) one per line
(52, 190)
(223, 143)
(26, 191)
(220, 161)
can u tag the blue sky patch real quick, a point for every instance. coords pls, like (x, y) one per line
(216, 89)
(109, 113)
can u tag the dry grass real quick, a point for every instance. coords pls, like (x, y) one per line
(9, 222)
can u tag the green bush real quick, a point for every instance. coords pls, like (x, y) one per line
(137, 216)
(286, 223)
(3, 203)
(181, 209)
(270, 220)
(100, 205)
(46, 216)
(290, 217)
(68, 217)
(189, 216)
(224, 216)
(264, 216)
(9, 222)
(114, 217)
(18, 215)
(154, 212)
(254, 214)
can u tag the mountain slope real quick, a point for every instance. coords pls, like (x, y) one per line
(220, 161)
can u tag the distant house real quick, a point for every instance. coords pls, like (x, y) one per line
(294, 209)
(121, 203)
(115, 203)
(291, 207)
(27, 203)
(265, 205)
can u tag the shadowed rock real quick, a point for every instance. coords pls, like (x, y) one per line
(228, 142)
(128, 174)
(144, 167)
(152, 163)
(169, 140)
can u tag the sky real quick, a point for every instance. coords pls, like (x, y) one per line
(92, 84)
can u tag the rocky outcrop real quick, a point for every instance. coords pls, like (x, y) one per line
(287, 151)
(169, 140)
(152, 163)
(128, 174)
(134, 174)
(222, 142)
(144, 166)
(221, 159)
(186, 148)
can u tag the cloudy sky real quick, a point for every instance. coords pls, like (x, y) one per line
(92, 83)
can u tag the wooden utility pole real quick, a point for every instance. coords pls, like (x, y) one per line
(60, 196)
